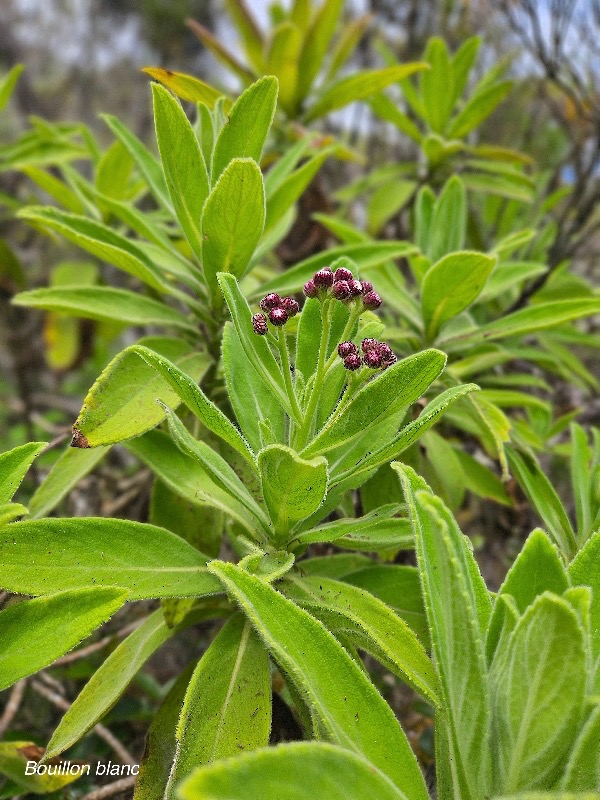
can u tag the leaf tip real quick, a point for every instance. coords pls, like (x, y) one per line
(79, 440)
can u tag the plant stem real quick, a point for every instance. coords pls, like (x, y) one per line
(287, 375)
(304, 432)
(354, 315)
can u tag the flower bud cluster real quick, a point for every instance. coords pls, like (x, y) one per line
(277, 311)
(343, 286)
(375, 354)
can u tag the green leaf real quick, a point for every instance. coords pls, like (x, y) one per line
(451, 285)
(535, 318)
(409, 434)
(105, 304)
(283, 198)
(358, 87)
(396, 388)
(10, 511)
(159, 753)
(99, 240)
(186, 476)
(298, 771)
(147, 164)
(219, 470)
(370, 625)
(350, 710)
(398, 586)
(28, 630)
(197, 402)
(256, 348)
(72, 465)
(183, 164)
(187, 87)
(234, 715)
(109, 682)
(113, 174)
(372, 532)
(437, 85)
(247, 126)
(220, 52)
(457, 606)
(250, 33)
(364, 254)
(538, 689)
(232, 220)
(555, 795)
(477, 108)
(388, 110)
(14, 759)
(584, 570)
(255, 406)
(293, 487)
(14, 465)
(122, 403)
(542, 494)
(339, 565)
(8, 83)
(448, 225)
(316, 44)
(582, 772)
(52, 555)
(462, 62)
(538, 568)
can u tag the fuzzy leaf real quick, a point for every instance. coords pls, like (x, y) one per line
(51, 555)
(122, 402)
(298, 771)
(108, 682)
(232, 220)
(396, 388)
(371, 625)
(183, 164)
(14, 465)
(28, 629)
(451, 285)
(249, 120)
(350, 710)
(106, 304)
(457, 606)
(538, 684)
(227, 706)
(293, 487)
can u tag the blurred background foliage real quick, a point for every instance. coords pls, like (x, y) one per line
(84, 57)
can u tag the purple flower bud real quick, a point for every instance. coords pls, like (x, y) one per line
(369, 344)
(355, 288)
(373, 358)
(371, 300)
(343, 274)
(352, 362)
(310, 290)
(388, 361)
(290, 305)
(323, 278)
(367, 287)
(385, 350)
(341, 290)
(270, 301)
(346, 349)
(259, 323)
(278, 316)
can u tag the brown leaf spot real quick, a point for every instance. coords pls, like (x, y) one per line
(79, 440)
